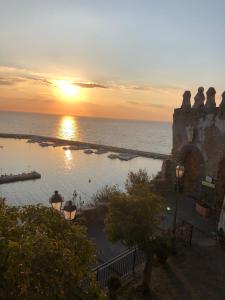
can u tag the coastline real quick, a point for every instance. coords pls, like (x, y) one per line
(64, 142)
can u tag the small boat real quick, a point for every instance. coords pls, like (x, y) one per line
(100, 151)
(88, 151)
(58, 144)
(113, 156)
(126, 156)
(43, 144)
(77, 147)
(31, 141)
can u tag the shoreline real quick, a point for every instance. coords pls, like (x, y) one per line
(64, 142)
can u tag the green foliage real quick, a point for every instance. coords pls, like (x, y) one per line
(114, 283)
(104, 195)
(136, 181)
(134, 218)
(42, 256)
(163, 246)
(221, 237)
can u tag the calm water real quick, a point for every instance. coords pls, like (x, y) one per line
(141, 135)
(62, 170)
(69, 170)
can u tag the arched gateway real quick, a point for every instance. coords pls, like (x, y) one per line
(199, 143)
(194, 166)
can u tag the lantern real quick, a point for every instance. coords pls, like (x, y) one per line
(56, 201)
(69, 210)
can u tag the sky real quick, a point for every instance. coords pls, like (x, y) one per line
(128, 59)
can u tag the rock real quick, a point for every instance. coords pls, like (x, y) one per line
(210, 102)
(186, 104)
(199, 98)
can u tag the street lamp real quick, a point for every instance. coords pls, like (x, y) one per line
(179, 172)
(56, 201)
(69, 210)
(178, 188)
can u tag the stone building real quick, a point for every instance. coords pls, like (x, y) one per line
(199, 144)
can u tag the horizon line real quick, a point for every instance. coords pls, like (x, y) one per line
(82, 116)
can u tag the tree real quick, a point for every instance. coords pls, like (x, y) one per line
(113, 285)
(103, 195)
(42, 256)
(134, 219)
(135, 181)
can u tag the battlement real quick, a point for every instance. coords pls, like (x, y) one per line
(199, 101)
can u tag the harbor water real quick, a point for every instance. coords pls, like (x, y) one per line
(71, 169)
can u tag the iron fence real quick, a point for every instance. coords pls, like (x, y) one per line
(127, 262)
(121, 266)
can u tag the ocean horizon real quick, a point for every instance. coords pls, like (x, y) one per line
(152, 136)
(67, 171)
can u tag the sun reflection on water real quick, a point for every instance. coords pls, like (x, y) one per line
(68, 159)
(68, 128)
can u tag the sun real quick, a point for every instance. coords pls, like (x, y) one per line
(66, 88)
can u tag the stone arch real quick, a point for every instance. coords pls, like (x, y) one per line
(220, 184)
(194, 165)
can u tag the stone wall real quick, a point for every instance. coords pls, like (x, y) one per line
(198, 137)
(202, 126)
(205, 131)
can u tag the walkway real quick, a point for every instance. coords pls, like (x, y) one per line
(204, 228)
(202, 233)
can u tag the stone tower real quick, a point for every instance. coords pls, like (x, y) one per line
(199, 144)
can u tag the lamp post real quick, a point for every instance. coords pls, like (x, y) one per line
(69, 210)
(178, 189)
(56, 201)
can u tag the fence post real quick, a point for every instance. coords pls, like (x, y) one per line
(191, 234)
(134, 260)
(97, 275)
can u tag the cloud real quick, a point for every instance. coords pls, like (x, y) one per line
(90, 85)
(39, 79)
(140, 88)
(10, 81)
(5, 82)
(13, 75)
(156, 88)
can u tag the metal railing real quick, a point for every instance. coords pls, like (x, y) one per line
(121, 266)
(127, 262)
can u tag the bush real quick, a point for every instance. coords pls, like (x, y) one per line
(44, 257)
(113, 285)
(163, 248)
(221, 237)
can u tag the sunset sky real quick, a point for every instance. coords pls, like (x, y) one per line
(129, 59)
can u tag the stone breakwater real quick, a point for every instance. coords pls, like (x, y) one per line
(62, 142)
(19, 177)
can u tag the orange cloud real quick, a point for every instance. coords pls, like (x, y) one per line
(24, 90)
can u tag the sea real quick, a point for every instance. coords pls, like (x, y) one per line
(71, 170)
